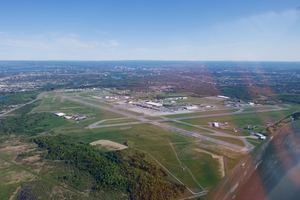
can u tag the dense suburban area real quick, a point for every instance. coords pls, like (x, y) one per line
(138, 129)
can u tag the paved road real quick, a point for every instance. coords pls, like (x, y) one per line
(16, 108)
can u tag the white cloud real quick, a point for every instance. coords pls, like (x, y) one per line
(74, 43)
(64, 41)
(264, 24)
(265, 36)
(110, 43)
(54, 46)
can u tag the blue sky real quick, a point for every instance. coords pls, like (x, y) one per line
(150, 29)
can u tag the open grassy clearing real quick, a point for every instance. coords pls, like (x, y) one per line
(229, 130)
(153, 117)
(59, 104)
(231, 157)
(203, 167)
(24, 174)
(255, 142)
(242, 120)
(11, 177)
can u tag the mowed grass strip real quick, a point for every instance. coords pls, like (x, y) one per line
(202, 166)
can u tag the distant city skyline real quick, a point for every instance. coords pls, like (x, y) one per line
(150, 30)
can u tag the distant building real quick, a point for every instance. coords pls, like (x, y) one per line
(296, 115)
(251, 103)
(68, 117)
(216, 124)
(193, 107)
(260, 136)
(154, 104)
(60, 114)
(176, 98)
(223, 97)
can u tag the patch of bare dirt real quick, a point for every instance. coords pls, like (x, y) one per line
(32, 159)
(109, 144)
(15, 193)
(16, 177)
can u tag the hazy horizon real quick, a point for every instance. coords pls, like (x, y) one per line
(155, 60)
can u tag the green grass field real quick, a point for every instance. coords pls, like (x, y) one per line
(156, 142)
(52, 102)
(242, 120)
(255, 142)
(194, 169)
(177, 153)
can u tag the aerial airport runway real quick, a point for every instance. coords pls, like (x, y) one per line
(142, 120)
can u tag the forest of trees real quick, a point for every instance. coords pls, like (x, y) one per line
(23, 122)
(128, 171)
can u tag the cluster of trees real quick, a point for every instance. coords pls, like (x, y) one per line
(290, 98)
(296, 115)
(126, 171)
(29, 124)
(22, 122)
(16, 98)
